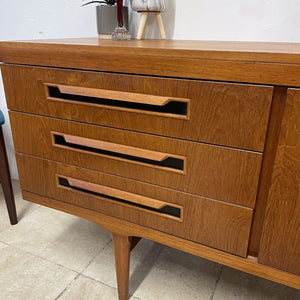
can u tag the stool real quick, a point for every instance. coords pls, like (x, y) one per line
(146, 7)
(5, 178)
(142, 26)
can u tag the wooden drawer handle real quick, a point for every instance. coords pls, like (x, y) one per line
(178, 107)
(119, 195)
(119, 151)
(115, 95)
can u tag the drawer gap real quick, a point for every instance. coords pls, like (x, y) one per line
(169, 162)
(165, 210)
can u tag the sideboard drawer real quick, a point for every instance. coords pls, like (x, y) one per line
(217, 172)
(217, 224)
(229, 114)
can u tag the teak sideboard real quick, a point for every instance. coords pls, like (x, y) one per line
(192, 144)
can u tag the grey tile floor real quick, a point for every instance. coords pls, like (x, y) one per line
(52, 255)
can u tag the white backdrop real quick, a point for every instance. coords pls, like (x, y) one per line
(235, 20)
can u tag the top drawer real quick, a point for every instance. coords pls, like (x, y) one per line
(228, 114)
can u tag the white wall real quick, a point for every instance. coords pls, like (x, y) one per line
(240, 20)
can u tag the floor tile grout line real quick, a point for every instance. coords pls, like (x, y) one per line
(99, 281)
(106, 284)
(55, 263)
(38, 256)
(94, 279)
(67, 286)
(90, 278)
(77, 273)
(100, 251)
(216, 283)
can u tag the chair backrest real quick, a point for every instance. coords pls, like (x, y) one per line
(2, 120)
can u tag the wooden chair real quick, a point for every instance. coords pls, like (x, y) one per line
(5, 178)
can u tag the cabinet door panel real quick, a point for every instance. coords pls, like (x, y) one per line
(280, 244)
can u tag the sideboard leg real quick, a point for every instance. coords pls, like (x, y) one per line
(122, 246)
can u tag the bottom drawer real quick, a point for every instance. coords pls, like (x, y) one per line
(217, 224)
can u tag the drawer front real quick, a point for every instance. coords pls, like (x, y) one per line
(216, 224)
(221, 173)
(234, 115)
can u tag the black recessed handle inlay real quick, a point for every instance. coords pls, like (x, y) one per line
(170, 162)
(166, 210)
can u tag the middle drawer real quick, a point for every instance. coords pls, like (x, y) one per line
(221, 173)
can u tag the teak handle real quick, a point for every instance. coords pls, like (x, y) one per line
(115, 95)
(112, 192)
(116, 148)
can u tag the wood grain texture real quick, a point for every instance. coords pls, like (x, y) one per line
(122, 245)
(280, 243)
(267, 63)
(221, 173)
(126, 228)
(116, 95)
(217, 224)
(116, 193)
(273, 132)
(222, 116)
(234, 115)
(227, 50)
(116, 148)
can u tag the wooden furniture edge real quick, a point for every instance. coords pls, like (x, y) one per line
(274, 52)
(161, 60)
(124, 228)
(269, 153)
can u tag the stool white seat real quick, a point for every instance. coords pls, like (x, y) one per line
(145, 7)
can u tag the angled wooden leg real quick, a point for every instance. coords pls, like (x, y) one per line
(142, 26)
(144, 32)
(160, 25)
(122, 247)
(6, 182)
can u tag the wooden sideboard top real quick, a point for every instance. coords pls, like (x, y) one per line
(255, 62)
(238, 51)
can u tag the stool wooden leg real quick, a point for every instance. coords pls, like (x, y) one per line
(160, 25)
(142, 26)
(144, 32)
(122, 246)
(6, 182)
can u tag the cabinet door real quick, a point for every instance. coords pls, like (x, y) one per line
(280, 244)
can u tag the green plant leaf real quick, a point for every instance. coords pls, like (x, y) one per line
(107, 2)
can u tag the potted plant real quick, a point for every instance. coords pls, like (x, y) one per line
(106, 11)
